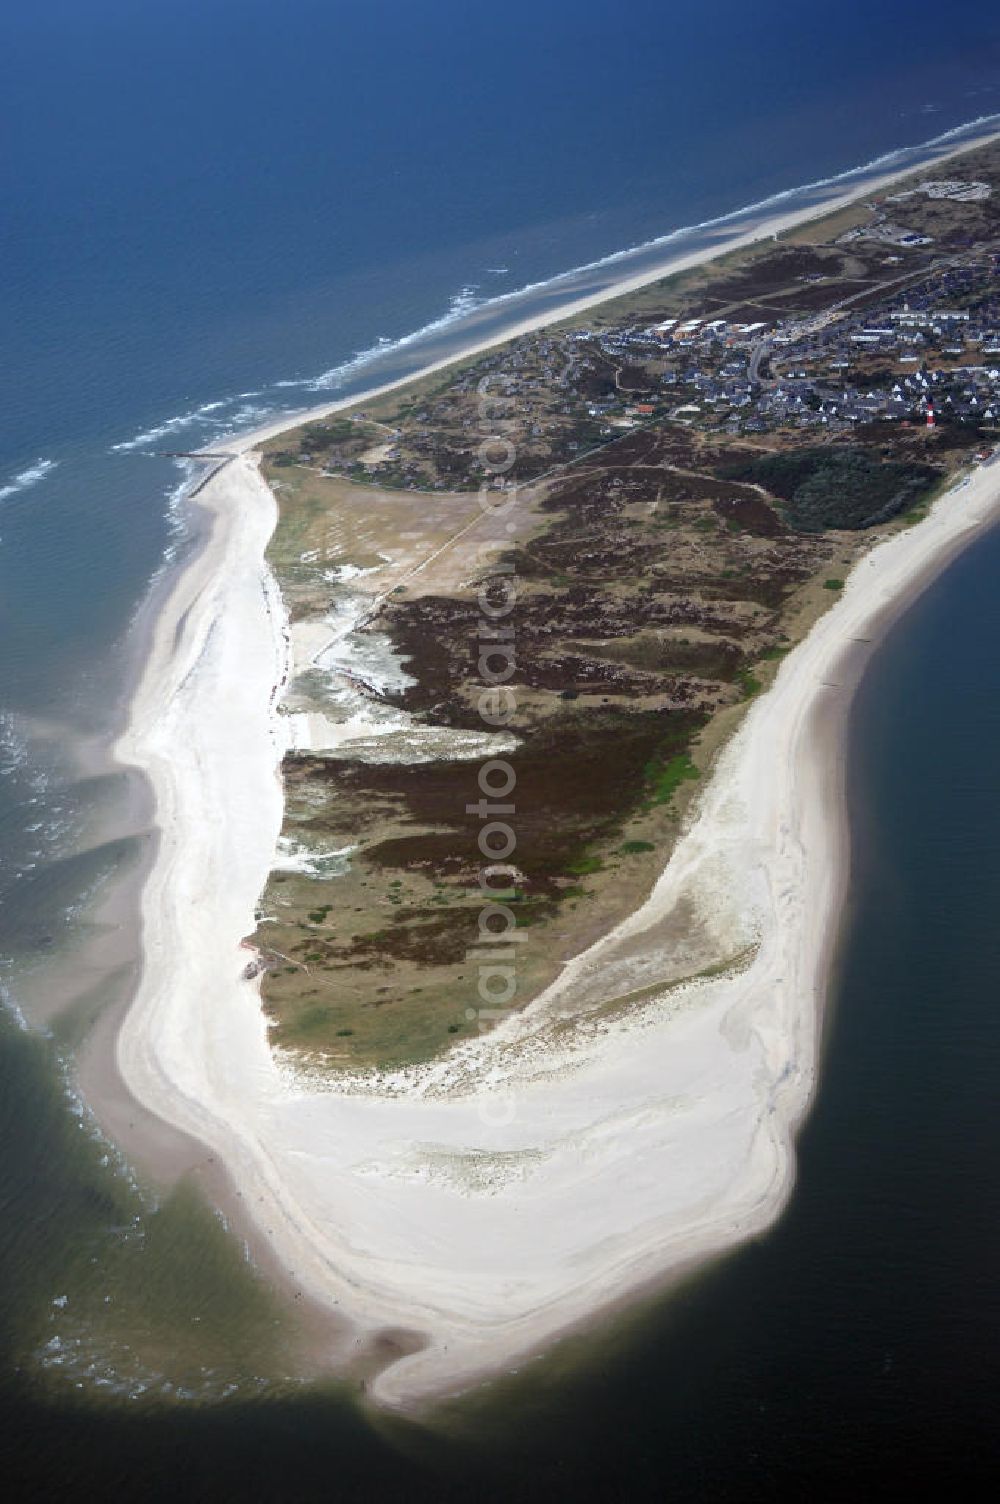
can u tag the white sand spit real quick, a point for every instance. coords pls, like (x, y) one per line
(580, 1152)
(540, 1174)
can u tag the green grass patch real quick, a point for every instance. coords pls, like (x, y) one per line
(665, 778)
(833, 584)
(632, 848)
(749, 683)
(585, 865)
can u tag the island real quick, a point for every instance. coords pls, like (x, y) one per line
(496, 734)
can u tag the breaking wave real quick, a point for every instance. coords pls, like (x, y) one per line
(216, 420)
(26, 478)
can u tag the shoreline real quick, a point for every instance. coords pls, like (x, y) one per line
(333, 1216)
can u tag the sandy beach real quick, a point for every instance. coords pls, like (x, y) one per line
(578, 1154)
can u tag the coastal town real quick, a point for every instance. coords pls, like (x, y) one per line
(917, 343)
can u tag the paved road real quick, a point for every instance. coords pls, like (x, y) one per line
(757, 355)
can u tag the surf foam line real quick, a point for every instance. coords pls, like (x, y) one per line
(209, 415)
(25, 479)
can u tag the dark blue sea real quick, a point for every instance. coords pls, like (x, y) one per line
(216, 211)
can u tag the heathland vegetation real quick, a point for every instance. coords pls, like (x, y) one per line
(674, 510)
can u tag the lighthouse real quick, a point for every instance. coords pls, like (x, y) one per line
(930, 415)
